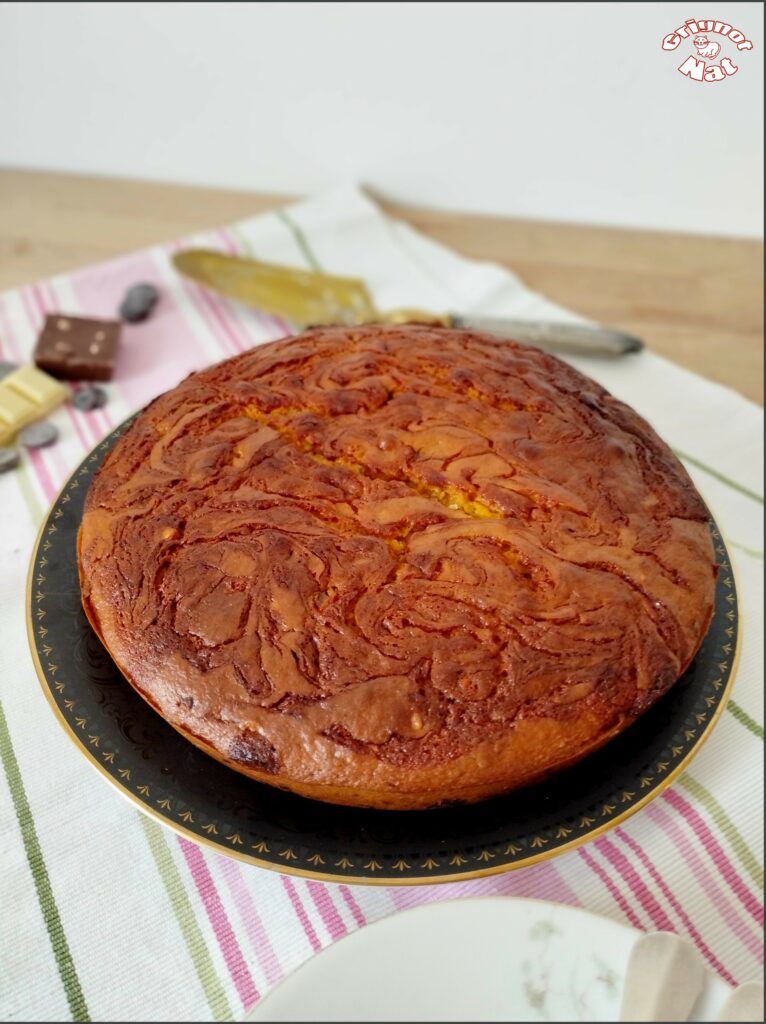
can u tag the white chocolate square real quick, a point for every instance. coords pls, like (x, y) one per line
(45, 391)
(27, 394)
(14, 408)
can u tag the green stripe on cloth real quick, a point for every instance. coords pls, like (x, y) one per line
(66, 968)
(719, 476)
(727, 827)
(242, 240)
(300, 238)
(744, 719)
(753, 552)
(34, 508)
(187, 922)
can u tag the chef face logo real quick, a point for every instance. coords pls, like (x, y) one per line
(697, 34)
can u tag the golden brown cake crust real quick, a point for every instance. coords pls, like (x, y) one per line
(396, 566)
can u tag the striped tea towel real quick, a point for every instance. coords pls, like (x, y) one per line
(108, 916)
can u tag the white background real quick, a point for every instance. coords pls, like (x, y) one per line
(559, 111)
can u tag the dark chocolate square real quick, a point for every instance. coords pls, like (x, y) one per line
(76, 348)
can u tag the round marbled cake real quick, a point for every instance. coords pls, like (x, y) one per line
(396, 566)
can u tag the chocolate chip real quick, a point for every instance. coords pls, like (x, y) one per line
(9, 459)
(38, 435)
(6, 368)
(88, 397)
(138, 302)
(253, 749)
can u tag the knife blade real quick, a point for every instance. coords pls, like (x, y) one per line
(313, 298)
(303, 296)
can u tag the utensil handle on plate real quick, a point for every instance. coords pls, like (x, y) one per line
(664, 979)
(744, 1003)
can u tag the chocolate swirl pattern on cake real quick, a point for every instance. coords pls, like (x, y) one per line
(396, 566)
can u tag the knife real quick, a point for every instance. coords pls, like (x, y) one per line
(310, 298)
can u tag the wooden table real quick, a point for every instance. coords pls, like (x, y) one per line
(695, 299)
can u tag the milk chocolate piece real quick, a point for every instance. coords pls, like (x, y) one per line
(75, 348)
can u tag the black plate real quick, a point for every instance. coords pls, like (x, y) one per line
(184, 788)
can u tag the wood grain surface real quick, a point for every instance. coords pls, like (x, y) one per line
(695, 299)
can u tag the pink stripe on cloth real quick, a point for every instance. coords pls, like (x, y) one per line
(225, 322)
(226, 344)
(251, 919)
(353, 906)
(49, 488)
(56, 462)
(540, 881)
(614, 892)
(212, 311)
(38, 297)
(707, 882)
(96, 429)
(219, 920)
(300, 911)
(640, 890)
(79, 429)
(230, 244)
(230, 320)
(327, 910)
(667, 893)
(32, 310)
(8, 338)
(284, 326)
(719, 858)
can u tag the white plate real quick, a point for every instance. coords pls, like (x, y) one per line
(497, 959)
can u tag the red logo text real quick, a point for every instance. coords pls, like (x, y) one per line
(700, 37)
